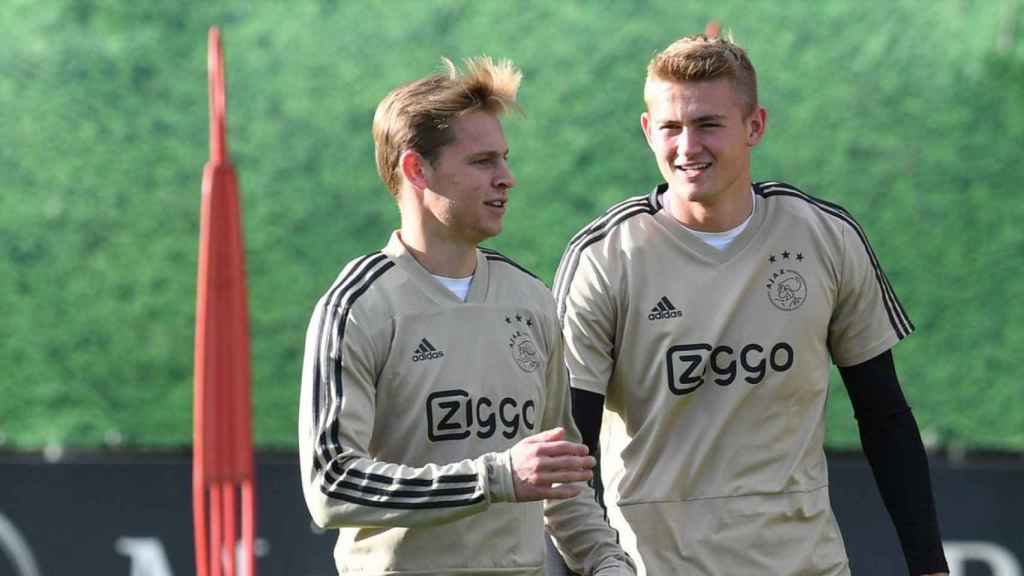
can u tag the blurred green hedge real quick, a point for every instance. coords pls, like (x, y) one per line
(908, 113)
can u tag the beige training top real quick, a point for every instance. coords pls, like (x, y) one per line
(715, 368)
(411, 399)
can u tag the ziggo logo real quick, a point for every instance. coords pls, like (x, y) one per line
(455, 415)
(688, 364)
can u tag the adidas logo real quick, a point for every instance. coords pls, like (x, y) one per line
(663, 310)
(426, 351)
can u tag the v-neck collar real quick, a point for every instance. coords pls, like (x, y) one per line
(694, 243)
(430, 285)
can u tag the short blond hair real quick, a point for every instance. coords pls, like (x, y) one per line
(419, 115)
(698, 58)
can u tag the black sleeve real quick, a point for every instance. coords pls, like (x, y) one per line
(892, 444)
(587, 412)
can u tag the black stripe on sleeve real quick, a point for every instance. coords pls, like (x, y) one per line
(380, 479)
(347, 483)
(408, 505)
(330, 444)
(595, 232)
(495, 256)
(332, 304)
(367, 486)
(352, 274)
(340, 479)
(898, 318)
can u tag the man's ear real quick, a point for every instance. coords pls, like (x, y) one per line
(415, 169)
(645, 125)
(756, 124)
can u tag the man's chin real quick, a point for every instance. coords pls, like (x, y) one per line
(687, 191)
(484, 234)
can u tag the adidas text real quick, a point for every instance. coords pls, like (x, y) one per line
(428, 356)
(664, 309)
(426, 351)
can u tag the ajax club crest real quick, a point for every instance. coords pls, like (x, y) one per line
(787, 289)
(524, 351)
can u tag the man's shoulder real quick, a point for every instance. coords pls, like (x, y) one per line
(515, 276)
(619, 215)
(785, 198)
(359, 277)
(503, 263)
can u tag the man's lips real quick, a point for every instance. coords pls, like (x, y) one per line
(693, 166)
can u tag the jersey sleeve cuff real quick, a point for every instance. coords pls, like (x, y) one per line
(846, 360)
(498, 471)
(590, 385)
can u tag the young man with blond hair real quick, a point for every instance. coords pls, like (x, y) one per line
(702, 317)
(435, 413)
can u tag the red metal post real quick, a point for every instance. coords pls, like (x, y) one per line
(222, 474)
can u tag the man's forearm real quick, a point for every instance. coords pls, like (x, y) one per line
(892, 445)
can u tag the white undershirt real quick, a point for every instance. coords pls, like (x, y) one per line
(458, 286)
(721, 240)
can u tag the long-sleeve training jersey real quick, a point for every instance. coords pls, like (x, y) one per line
(411, 400)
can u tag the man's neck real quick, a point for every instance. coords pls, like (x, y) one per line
(725, 213)
(440, 256)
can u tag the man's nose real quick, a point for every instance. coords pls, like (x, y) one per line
(504, 177)
(689, 141)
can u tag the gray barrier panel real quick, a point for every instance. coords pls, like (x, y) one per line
(132, 515)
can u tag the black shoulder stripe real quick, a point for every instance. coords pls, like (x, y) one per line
(652, 198)
(495, 256)
(336, 305)
(595, 232)
(898, 318)
(597, 223)
(354, 274)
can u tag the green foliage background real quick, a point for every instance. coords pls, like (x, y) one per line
(906, 112)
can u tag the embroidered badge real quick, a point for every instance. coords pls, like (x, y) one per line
(787, 289)
(524, 351)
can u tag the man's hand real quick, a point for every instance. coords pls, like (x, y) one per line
(544, 459)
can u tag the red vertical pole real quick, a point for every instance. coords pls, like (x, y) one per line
(230, 526)
(222, 473)
(216, 559)
(248, 525)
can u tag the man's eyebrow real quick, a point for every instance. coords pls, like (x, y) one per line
(702, 118)
(710, 117)
(489, 154)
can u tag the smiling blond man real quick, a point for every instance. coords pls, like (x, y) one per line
(700, 321)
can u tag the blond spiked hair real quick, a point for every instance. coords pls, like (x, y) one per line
(419, 115)
(699, 58)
